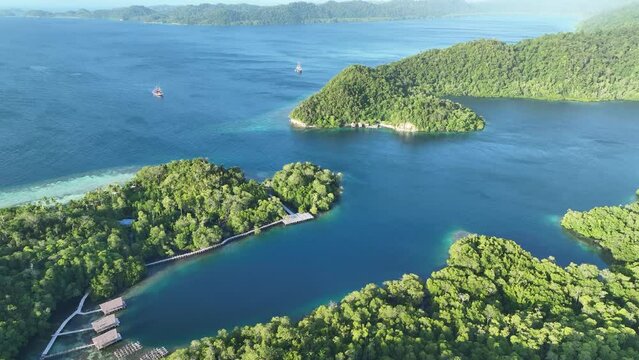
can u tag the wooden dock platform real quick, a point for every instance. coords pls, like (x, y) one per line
(296, 218)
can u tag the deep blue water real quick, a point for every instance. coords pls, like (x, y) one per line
(76, 113)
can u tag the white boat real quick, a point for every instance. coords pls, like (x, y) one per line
(298, 68)
(157, 92)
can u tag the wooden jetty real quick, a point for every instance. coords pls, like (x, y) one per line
(57, 333)
(108, 338)
(103, 324)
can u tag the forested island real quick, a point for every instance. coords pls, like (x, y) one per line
(362, 97)
(493, 300)
(52, 252)
(292, 13)
(410, 94)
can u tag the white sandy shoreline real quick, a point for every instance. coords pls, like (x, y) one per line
(403, 127)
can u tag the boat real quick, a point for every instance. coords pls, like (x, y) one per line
(298, 68)
(157, 92)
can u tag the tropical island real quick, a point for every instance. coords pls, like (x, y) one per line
(493, 300)
(411, 94)
(292, 13)
(53, 252)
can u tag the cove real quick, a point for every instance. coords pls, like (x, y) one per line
(229, 91)
(404, 198)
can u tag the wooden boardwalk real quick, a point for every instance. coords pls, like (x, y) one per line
(288, 211)
(67, 351)
(58, 332)
(212, 247)
(289, 219)
(74, 331)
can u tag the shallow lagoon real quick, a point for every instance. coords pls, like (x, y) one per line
(228, 93)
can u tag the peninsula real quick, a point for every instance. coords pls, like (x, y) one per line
(412, 93)
(52, 252)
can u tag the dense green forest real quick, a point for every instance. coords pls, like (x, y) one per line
(613, 228)
(306, 186)
(493, 300)
(362, 95)
(626, 17)
(293, 13)
(51, 252)
(568, 66)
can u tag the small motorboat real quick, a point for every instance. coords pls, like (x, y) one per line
(157, 92)
(298, 69)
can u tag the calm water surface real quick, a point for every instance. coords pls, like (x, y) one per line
(76, 113)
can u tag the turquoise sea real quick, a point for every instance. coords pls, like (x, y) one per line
(76, 113)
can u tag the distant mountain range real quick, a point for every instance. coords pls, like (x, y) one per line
(328, 12)
(244, 14)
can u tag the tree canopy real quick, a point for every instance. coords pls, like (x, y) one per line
(493, 300)
(613, 228)
(362, 95)
(626, 17)
(569, 66)
(51, 252)
(306, 186)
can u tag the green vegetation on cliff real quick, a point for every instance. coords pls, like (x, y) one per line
(293, 13)
(493, 300)
(569, 66)
(52, 252)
